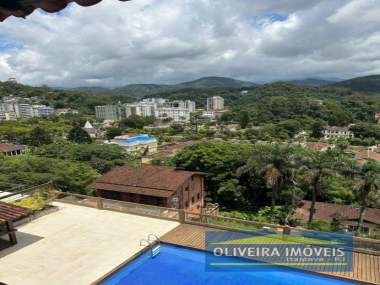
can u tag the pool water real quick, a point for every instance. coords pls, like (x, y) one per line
(177, 266)
(144, 138)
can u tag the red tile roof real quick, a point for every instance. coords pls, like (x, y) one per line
(364, 155)
(22, 8)
(327, 211)
(12, 213)
(5, 147)
(318, 146)
(159, 181)
(173, 148)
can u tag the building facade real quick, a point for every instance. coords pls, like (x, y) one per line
(42, 111)
(175, 111)
(153, 185)
(12, 108)
(337, 132)
(347, 215)
(108, 112)
(215, 103)
(12, 149)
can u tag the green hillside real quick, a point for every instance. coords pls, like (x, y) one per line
(362, 84)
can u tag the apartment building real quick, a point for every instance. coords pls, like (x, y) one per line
(162, 109)
(42, 110)
(215, 103)
(179, 115)
(109, 112)
(12, 108)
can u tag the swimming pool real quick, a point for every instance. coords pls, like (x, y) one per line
(143, 138)
(177, 266)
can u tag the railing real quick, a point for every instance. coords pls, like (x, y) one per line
(141, 209)
(231, 223)
(220, 222)
(78, 199)
(368, 245)
(120, 206)
(21, 194)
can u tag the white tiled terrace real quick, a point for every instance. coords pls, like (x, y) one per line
(75, 245)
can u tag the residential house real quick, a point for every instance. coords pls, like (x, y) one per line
(92, 132)
(349, 215)
(12, 149)
(362, 156)
(66, 111)
(337, 132)
(153, 185)
(318, 146)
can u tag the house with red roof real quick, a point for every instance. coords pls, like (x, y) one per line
(153, 185)
(349, 215)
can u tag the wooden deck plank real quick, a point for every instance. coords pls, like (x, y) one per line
(366, 267)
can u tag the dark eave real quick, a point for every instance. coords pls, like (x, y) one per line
(22, 8)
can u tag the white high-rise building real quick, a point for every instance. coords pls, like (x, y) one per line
(42, 111)
(162, 109)
(108, 112)
(178, 115)
(215, 103)
(26, 110)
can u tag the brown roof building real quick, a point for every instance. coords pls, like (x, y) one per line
(11, 149)
(318, 146)
(22, 8)
(349, 214)
(362, 156)
(154, 185)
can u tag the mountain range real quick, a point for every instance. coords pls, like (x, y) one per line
(359, 84)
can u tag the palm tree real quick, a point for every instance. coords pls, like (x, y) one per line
(317, 165)
(276, 164)
(368, 183)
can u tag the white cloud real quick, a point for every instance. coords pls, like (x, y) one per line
(115, 43)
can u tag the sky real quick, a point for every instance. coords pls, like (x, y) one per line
(168, 41)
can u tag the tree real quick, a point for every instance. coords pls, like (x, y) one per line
(78, 135)
(31, 170)
(195, 120)
(39, 136)
(368, 182)
(276, 164)
(136, 122)
(316, 166)
(219, 160)
(113, 132)
(101, 157)
(176, 129)
(243, 119)
(316, 129)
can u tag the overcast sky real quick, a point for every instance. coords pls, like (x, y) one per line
(168, 41)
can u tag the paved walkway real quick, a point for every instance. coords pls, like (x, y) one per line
(75, 245)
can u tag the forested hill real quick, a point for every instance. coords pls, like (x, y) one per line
(140, 90)
(216, 82)
(362, 84)
(312, 82)
(272, 97)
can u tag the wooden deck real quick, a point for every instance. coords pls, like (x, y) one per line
(366, 267)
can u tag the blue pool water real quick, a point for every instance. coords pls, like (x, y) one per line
(180, 266)
(144, 138)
